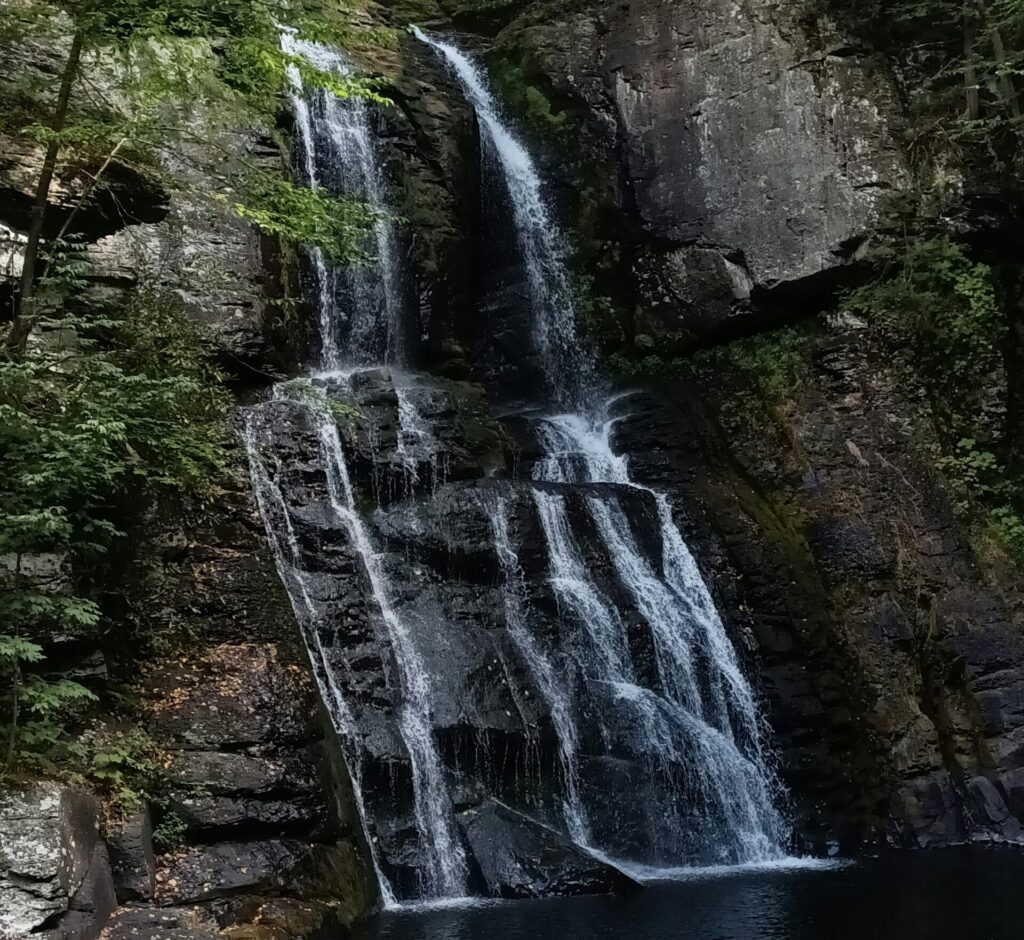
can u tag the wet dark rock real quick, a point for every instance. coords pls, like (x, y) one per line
(256, 917)
(247, 768)
(521, 858)
(430, 149)
(737, 145)
(445, 583)
(225, 773)
(452, 434)
(206, 872)
(254, 772)
(992, 811)
(218, 817)
(691, 293)
(130, 845)
(232, 695)
(929, 813)
(285, 868)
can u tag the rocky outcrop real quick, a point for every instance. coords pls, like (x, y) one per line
(743, 145)
(429, 143)
(154, 228)
(55, 877)
(258, 795)
(520, 858)
(241, 286)
(257, 826)
(890, 654)
(739, 152)
(132, 859)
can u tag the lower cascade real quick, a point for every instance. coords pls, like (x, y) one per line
(529, 680)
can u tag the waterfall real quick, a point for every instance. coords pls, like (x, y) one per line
(360, 320)
(569, 369)
(552, 688)
(700, 709)
(360, 306)
(288, 558)
(596, 657)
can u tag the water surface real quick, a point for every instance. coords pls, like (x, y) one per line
(974, 893)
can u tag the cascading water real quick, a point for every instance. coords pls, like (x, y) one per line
(360, 319)
(360, 306)
(551, 687)
(569, 369)
(607, 701)
(695, 724)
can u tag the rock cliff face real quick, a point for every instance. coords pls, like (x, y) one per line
(732, 153)
(738, 152)
(743, 144)
(240, 285)
(889, 655)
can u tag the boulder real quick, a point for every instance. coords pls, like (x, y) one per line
(992, 812)
(267, 869)
(92, 904)
(519, 857)
(54, 870)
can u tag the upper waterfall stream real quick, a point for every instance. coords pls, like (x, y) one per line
(512, 666)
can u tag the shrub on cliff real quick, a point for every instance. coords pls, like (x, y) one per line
(960, 62)
(95, 419)
(104, 407)
(938, 308)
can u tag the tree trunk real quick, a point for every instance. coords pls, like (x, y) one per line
(970, 67)
(12, 736)
(24, 316)
(1004, 81)
(93, 183)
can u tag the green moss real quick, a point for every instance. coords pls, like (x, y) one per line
(776, 363)
(772, 365)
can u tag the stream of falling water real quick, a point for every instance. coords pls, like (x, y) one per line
(688, 725)
(551, 685)
(360, 318)
(702, 709)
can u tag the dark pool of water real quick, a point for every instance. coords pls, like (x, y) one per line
(974, 893)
